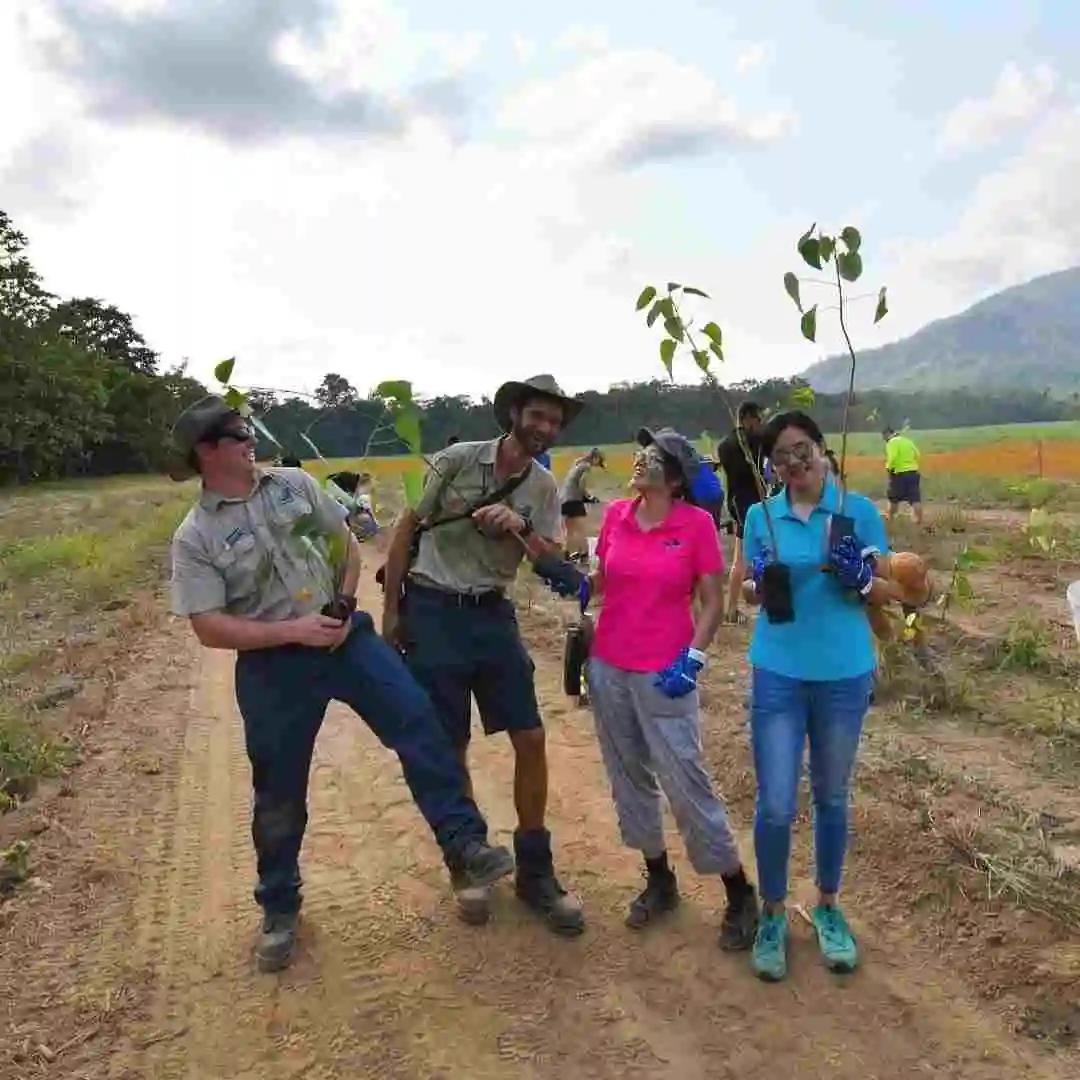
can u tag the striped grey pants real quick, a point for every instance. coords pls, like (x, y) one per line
(652, 744)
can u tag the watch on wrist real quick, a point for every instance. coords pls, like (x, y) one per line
(527, 528)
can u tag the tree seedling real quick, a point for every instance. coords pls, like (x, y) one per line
(705, 347)
(324, 554)
(843, 252)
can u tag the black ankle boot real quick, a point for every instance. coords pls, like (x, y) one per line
(660, 895)
(538, 887)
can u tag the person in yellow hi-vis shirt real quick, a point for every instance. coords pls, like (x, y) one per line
(902, 465)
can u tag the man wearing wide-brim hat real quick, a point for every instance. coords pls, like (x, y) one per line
(486, 506)
(254, 570)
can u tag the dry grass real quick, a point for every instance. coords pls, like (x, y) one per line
(78, 566)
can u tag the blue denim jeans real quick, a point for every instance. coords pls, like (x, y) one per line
(283, 695)
(784, 714)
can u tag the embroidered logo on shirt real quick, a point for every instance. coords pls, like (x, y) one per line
(673, 543)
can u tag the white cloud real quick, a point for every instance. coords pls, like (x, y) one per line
(1017, 99)
(753, 58)
(524, 48)
(629, 108)
(1021, 219)
(579, 38)
(457, 265)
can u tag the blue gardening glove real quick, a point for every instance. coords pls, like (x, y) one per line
(563, 578)
(679, 678)
(853, 564)
(757, 571)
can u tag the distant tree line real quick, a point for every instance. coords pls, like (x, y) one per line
(83, 394)
(80, 390)
(347, 425)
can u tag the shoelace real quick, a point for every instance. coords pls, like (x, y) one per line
(833, 927)
(771, 931)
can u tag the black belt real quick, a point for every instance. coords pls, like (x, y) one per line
(489, 598)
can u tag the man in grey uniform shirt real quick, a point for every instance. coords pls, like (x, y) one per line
(254, 570)
(457, 627)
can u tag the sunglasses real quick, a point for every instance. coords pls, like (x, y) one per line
(239, 434)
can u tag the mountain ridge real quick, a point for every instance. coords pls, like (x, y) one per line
(1023, 337)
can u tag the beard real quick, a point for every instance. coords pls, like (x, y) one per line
(531, 440)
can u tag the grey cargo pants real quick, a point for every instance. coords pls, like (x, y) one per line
(652, 744)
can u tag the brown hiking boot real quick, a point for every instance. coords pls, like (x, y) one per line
(277, 941)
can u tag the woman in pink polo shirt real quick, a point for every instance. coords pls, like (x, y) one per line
(655, 552)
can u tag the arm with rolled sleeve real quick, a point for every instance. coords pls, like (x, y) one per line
(198, 592)
(545, 538)
(197, 585)
(870, 529)
(444, 467)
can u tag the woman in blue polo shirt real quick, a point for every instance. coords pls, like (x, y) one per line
(812, 674)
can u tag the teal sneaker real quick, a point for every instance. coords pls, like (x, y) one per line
(769, 958)
(835, 939)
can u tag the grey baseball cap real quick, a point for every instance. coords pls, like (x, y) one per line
(197, 421)
(675, 446)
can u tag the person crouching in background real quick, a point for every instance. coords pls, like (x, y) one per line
(574, 499)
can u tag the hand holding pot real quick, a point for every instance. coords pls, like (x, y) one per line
(852, 564)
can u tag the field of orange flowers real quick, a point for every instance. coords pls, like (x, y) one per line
(1052, 459)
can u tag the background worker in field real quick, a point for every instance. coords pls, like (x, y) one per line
(905, 480)
(740, 456)
(250, 584)
(574, 499)
(446, 607)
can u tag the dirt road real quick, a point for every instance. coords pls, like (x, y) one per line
(138, 934)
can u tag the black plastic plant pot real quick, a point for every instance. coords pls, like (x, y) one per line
(575, 653)
(776, 598)
(340, 608)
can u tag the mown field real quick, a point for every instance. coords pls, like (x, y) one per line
(968, 812)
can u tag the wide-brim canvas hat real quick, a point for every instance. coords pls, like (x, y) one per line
(512, 394)
(191, 427)
(699, 479)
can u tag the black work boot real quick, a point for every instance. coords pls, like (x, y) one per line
(277, 940)
(539, 888)
(739, 928)
(660, 895)
(479, 864)
(473, 870)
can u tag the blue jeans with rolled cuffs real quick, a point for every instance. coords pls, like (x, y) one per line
(785, 714)
(283, 694)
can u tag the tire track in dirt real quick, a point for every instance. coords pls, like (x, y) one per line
(388, 982)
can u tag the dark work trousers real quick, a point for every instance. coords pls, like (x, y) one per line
(283, 694)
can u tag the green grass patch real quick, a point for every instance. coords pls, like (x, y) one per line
(25, 755)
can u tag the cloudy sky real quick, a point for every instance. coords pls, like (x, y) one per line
(461, 193)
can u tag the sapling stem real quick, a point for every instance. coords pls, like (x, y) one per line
(712, 381)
